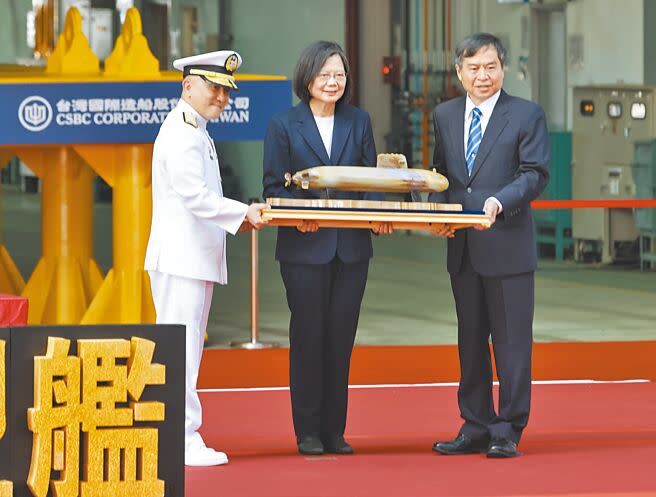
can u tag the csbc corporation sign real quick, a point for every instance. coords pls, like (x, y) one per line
(58, 113)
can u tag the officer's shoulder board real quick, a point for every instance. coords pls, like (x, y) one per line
(190, 119)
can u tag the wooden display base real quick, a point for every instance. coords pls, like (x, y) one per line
(367, 214)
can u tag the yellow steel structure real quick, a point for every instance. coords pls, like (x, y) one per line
(66, 277)
(72, 54)
(44, 24)
(131, 55)
(11, 280)
(125, 295)
(67, 287)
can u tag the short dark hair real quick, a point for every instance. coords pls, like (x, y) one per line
(310, 63)
(473, 43)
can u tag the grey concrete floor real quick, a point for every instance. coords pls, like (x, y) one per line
(408, 297)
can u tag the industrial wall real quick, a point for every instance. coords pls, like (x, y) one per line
(606, 42)
(13, 23)
(271, 35)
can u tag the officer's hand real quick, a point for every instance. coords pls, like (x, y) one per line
(254, 215)
(383, 229)
(491, 209)
(307, 226)
(442, 229)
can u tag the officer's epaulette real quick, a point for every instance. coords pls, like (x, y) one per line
(190, 119)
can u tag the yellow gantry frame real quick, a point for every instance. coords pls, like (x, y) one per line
(67, 286)
(125, 295)
(11, 280)
(66, 277)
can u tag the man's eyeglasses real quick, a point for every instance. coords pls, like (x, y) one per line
(324, 77)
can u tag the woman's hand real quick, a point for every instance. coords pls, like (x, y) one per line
(443, 229)
(383, 229)
(307, 226)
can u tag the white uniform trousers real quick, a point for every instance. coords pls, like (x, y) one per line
(180, 300)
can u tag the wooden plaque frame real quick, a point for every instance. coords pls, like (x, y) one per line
(365, 214)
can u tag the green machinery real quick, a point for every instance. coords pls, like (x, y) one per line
(644, 174)
(554, 226)
(607, 121)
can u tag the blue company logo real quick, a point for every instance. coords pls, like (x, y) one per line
(35, 113)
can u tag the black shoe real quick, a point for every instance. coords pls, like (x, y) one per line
(309, 445)
(337, 445)
(462, 444)
(500, 448)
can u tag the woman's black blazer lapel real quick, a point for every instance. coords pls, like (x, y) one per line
(341, 131)
(307, 128)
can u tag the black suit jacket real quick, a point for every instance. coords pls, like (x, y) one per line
(293, 143)
(512, 165)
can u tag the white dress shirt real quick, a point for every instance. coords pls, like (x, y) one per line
(486, 107)
(326, 125)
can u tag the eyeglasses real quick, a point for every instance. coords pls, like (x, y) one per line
(324, 77)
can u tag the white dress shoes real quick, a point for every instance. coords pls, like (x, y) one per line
(204, 456)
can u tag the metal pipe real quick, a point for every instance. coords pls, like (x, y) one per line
(416, 113)
(406, 46)
(424, 114)
(254, 285)
(225, 37)
(45, 17)
(445, 60)
(448, 45)
(254, 343)
(352, 22)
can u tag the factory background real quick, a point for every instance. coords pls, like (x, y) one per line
(590, 63)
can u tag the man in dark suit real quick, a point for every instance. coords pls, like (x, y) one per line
(494, 149)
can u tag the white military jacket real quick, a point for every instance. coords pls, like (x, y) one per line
(190, 213)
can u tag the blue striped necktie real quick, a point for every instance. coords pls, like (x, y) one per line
(474, 140)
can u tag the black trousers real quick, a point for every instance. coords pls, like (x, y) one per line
(501, 307)
(324, 300)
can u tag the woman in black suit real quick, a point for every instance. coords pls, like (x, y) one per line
(324, 271)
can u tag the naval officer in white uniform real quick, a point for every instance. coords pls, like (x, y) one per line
(186, 249)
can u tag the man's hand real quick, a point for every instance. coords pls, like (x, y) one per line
(254, 215)
(307, 226)
(491, 209)
(443, 229)
(383, 229)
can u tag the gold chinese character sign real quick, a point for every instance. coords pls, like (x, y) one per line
(3, 402)
(105, 411)
(6, 487)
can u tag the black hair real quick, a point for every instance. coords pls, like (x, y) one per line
(310, 63)
(473, 43)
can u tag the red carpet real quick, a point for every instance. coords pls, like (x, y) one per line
(583, 440)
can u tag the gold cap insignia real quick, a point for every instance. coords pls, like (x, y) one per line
(231, 63)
